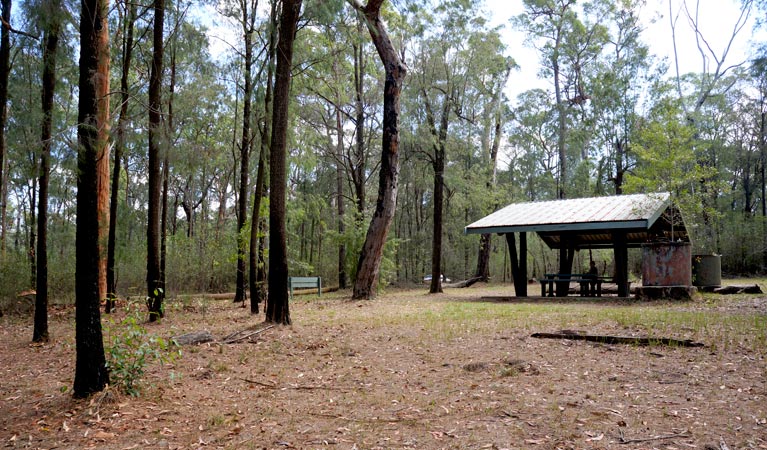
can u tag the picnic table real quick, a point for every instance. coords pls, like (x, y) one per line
(590, 285)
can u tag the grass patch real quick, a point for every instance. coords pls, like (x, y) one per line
(451, 317)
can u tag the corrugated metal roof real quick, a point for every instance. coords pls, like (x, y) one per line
(620, 211)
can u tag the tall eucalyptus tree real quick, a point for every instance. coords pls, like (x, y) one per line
(257, 257)
(5, 58)
(395, 69)
(52, 16)
(277, 309)
(91, 374)
(127, 46)
(155, 288)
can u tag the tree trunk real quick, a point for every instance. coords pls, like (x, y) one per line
(438, 164)
(341, 211)
(256, 288)
(155, 288)
(32, 241)
(369, 263)
(242, 207)
(483, 258)
(561, 117)
(40, 332)
(103, 122)
(164, 217)
(358, 166)
(119, 145)
(169, 132)
(91, 374)
(763, 158)
(5, 57)
(620, 169)
(257, 273)
(485, 244)
(277, 309)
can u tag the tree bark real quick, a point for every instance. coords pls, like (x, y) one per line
(155, 288)
(103, 119)
(5, 56)
(277, 309)
(40, 331)
(119, 145)
(91, 374)
(371, 255)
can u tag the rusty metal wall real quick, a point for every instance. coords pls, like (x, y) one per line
(666, 264)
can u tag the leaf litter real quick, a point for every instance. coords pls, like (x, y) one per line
(375, 378)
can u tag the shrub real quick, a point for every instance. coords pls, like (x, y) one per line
(130, 348)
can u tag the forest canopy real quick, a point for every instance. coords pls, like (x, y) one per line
(611, 118)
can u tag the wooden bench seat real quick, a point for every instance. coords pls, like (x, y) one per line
(585, 280)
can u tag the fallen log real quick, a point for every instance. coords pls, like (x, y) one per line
(739, 289)
(310, 291)
(606, 339)
(462, 284)
(194, 338)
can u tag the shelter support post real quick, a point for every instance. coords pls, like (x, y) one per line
(518, 263)
(620, 248)
(566, 254)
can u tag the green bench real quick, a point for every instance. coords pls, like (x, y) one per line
(305, 283)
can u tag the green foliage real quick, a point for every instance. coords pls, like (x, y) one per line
(130, 349)
(666, 162)
(14, 272)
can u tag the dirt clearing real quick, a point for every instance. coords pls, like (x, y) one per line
(410, 370)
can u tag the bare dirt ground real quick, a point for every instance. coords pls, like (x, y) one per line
(410, 371)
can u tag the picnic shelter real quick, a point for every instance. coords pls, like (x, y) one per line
(619, 222)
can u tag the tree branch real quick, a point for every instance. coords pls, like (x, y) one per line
(8, 27)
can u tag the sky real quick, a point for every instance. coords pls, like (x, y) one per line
(716, 21)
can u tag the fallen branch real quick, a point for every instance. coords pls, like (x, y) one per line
(309, 291)
(605, 339)
(364, 420)
(269, 385)
(683, 434)
(462, 284)
(231, 339)
(289, 386)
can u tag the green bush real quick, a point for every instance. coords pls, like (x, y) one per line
(130, 348)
